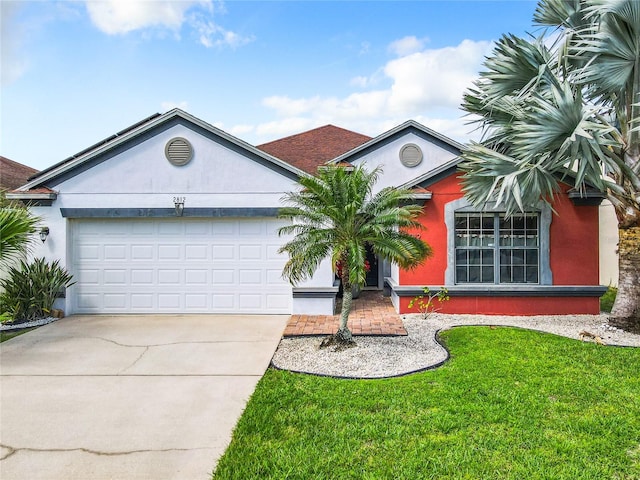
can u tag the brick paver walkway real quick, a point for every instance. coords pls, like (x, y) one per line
(371, 314)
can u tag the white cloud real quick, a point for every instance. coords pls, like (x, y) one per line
(122, 16)
(282, 128)
(169, 105)
(361, 82)
(426, 86)
(241, 130)
(406, 46)
(211, 34)
(435, 77)
(118, 17)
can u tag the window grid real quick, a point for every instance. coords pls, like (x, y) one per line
(513, 259)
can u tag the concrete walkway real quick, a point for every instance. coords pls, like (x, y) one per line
(135, 397)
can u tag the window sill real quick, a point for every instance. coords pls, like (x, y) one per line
(504, 290)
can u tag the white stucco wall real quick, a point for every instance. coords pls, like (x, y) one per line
(608, 244)
(394, 172)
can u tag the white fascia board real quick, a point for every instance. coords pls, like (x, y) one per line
(422, 196)
(31, 196)
(432, 173)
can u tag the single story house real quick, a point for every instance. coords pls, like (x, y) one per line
(173, 215)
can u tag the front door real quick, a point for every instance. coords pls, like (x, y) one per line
(373, 274)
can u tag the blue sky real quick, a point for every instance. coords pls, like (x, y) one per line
(76, 72)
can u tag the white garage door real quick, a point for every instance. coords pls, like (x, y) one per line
(178, 265)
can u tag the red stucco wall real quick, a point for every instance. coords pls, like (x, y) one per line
(573, 257)
(514, 305)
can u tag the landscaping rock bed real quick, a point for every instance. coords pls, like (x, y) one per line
(4, 327)
(379, 357)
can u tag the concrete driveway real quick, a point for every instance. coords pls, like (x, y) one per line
(128, 397)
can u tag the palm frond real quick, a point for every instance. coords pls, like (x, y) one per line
(17, 229)
(336, 215)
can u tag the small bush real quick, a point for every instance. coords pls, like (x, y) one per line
(606, 300)
(425, 303)
(30, 289)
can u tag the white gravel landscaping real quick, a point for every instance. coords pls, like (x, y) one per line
(379, 357)
(19, 326)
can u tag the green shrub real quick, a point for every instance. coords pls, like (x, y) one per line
(606, 300)
(425, 303)
(30, 289)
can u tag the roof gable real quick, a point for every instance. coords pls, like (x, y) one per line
(438, 156)
(14, 174)
(410, 126)
(308, 150)
(142, 131)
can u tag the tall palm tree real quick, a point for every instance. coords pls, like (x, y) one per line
(336, 215)
(565, 107)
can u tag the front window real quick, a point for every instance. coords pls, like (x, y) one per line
(491, 248)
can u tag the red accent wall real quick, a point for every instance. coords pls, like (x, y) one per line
(432, 271)
(574, 258)
(514, 305)
(574, 243)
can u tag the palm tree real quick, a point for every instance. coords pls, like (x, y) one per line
(565, 107)
(17, 227)
(336, 215)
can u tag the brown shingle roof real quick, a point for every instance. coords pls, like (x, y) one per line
(308, 150)
(14, 174)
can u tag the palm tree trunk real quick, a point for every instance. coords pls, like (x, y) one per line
(626, 309)
(344, 334)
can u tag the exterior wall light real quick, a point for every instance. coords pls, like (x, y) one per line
(44, 233)
(178, 203)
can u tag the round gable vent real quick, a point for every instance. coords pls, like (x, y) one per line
(410, 155)
(178, 151)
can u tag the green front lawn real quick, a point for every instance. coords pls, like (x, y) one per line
(6, 335)
(509, 404)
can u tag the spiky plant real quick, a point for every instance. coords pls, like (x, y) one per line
(17, 229)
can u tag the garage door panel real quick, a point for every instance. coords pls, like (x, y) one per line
(169, 252)
(115, 301)
(170, 301)
(115, 252)
(195, 301)
(141, 302)
(249, 252)
(223, 252)
(196, 252)
(223, 227)
(222, 301)
(88, 252)
(224, 277)
(249, 277)
(89, 302)
(249, 301)
(115, 277)
(142, 276)
(142, 252)
(178, 265)
(196, 277)
(88, 276)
